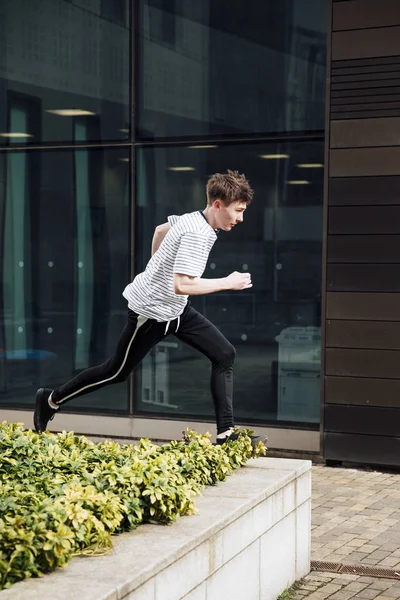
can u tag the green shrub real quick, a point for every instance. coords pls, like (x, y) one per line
(62, 494)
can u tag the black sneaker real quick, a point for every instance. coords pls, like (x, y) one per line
(255, 439)
(43, 411)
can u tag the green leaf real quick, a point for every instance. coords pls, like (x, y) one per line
(61, 495)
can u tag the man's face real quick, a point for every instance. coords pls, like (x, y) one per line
(229, 216)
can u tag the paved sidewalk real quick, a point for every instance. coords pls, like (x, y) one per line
(355, 521)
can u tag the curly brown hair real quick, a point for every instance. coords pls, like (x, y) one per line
(229, 187)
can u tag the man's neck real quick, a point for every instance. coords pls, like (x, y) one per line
(209, 215)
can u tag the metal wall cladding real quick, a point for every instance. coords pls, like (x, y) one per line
(361, 448)
(360, 14)
(362, 271)
(353, 191)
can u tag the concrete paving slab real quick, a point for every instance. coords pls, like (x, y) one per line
(355, 520)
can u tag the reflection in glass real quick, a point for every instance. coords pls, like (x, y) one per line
(16, 263)
(69, 60)
(275, 326)
(84, 253)
(230, 67)
(64, 263)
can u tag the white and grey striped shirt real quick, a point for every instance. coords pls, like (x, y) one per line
(185, 249)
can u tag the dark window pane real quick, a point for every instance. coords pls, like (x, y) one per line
(62, 62)
(115, 11)
(230, 67)
(64, 262)
(275, 326)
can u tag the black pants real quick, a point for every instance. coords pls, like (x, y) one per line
(140, 336)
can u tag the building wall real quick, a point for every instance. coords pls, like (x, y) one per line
(362, 342)
(113, 115)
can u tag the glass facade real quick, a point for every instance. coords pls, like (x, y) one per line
(223, 67)
(61, 61)
(279, 243)
(65, 258)
(105, 130)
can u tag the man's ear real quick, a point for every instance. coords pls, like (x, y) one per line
(217, 204)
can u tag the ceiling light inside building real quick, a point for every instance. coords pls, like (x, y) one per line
(124, 159)
(205, 146)
(311, 166)
(181, 169)
(124, 130)
(15, 135)
(298, 182)
(274, 155)
(70, 112)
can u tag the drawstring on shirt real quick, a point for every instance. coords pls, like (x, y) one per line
(178, 322)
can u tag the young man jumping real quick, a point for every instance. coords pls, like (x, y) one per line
(158, 305)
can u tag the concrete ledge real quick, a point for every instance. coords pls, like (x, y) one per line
(250, 540)
(128, 428)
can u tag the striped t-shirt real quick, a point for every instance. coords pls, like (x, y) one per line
(184, 250)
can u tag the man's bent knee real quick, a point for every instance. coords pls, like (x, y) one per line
(226, 357)
(120, 378)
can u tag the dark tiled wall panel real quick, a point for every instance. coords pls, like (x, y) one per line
(354, 362)
(366, 43)
(365, 132)
(363, 249)
(363, 306)
(362, 391)
(365, 162)
(366, 220)
(355, 419)
(363, 334)
(364, 14)
(362, 329)
(370, 449)
(363, 278)
(350, 191)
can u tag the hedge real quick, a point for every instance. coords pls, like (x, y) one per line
(63, 495)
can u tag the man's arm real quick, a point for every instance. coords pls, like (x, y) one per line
(194, 286)
(159, 234)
